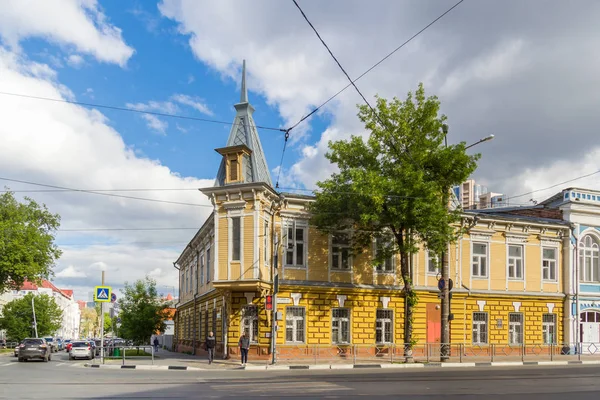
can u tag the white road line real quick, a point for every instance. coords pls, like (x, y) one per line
(59, 364)
(6, 365)
(288, 388)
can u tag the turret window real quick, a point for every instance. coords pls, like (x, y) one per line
(233, 170)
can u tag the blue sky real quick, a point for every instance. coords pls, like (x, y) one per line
(497, 67)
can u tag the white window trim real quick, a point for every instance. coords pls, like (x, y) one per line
(512, 324)
(350, 258)
(294, 326)
(581, 265)
(231, 218)
(508, 258)
(383, 271)
(349, 326)
(295, 224)
(384, 322)
(266, 242)
(487, 264)
(427, 258)
(553, 324)
(479, 323)
(556, 249)
(253, 340)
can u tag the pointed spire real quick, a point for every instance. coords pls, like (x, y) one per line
(244, 92)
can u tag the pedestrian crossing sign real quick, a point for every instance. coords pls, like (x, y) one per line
(102, 293)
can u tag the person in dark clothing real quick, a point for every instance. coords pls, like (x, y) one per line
(210, 346)
(244, 344)
(155, 344)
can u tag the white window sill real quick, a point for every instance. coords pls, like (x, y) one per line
(482, 278)
(294, 267)
(340, 270)
(385, 272)
(516, 279)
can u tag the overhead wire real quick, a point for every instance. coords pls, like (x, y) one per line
(108, 107)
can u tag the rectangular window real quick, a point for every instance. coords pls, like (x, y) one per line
(233, 170)
(549, 264)
(295, 245)
(515, 262)
(340, 325)
(195, 277)
(480, 260)
(480, 328)
(384, 322)
(294, 324)
(202, 269)
(250, 322)
(206, 322)
(214, 322)
(387, 265)
(236, 238)
(187, 280)
(266, 243)
(200, 326)
(515, 328)
(207, 265)
(433, 263)
(340, 251)
(549, 328)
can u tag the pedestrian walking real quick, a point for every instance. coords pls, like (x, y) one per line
(155, 344)
(244, 344)
(211, 341)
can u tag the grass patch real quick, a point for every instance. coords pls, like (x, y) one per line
(6, 351)
(137, 353)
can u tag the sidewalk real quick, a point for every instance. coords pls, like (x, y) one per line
(167, 360)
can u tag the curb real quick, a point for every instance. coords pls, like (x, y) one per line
(350, 366)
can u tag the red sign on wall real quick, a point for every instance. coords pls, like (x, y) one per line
(269, 303)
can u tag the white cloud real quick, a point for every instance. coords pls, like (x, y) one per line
(71, 272)
(68, 145)
(75, 61)
(193, 102)
(77, 23)
(156, 124)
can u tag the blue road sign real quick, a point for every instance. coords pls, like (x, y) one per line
(113, 297)
(102, 294)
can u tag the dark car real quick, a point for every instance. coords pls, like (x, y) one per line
(32, 348)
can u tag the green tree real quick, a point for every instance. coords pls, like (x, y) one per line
(89, 322)
(143, 313)
(27, 249)
(393, 187)
(17, 317)
(107, 320)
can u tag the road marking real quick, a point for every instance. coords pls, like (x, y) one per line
(6, 365)
(284, 387)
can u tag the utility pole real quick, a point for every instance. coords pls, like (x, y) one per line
(102, 326)
(34, 319)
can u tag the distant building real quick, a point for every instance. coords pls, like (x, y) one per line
(468, 194)
(492, 200)
(63, 297)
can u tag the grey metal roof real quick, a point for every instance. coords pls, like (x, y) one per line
(244, 132)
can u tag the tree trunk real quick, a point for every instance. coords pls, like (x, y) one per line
(408, 307)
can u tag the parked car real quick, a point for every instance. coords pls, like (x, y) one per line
(81, 349)
(51, 343)
(60, 344)
(17, 349)
(33, 348)
(98, 345)
(66, 344)
(68, 347)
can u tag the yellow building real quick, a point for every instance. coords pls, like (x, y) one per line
(507, 274)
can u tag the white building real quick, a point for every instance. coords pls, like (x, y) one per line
(64, 299)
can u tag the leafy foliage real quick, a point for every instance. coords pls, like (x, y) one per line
(17, 317)
(143, 313)
(394, 185)
(27, 249)
(89, 323)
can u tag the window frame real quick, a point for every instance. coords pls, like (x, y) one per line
(512, 331)
(342, 248)
(485, 257)
(381, 268)
(479, 323)
(202, 259)
(266, 242)
(292, 244)
(290, 317)
(549, 328)
(335, 338)
(428, 260)
(253, 331)
(385, 322)
(513, 262)
(589, 253)
(553, 264)
(236, 238)
(207, 265)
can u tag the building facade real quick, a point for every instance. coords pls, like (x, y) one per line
(506, 270)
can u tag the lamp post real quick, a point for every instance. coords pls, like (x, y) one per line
(445, 286)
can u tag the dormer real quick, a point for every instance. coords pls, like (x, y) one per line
(236, 160)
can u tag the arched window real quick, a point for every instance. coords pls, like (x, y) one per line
(588, 259)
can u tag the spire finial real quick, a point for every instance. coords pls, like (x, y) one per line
(244, 92)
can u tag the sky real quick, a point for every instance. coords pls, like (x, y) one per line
(523, 71)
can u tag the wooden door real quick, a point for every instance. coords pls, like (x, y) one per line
(434, 324)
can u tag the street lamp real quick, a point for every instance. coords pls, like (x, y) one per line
(445, 286)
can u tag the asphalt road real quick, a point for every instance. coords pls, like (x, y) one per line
(63, 379)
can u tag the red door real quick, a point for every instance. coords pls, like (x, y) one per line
(434, 324)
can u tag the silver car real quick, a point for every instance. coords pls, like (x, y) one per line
(81, 350)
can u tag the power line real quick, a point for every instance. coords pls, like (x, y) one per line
(159, 114)
(123, 229)
(106, 194)
(553, 186)
(99, 190)
(376, 64)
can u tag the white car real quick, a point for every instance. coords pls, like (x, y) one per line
(81, 350)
